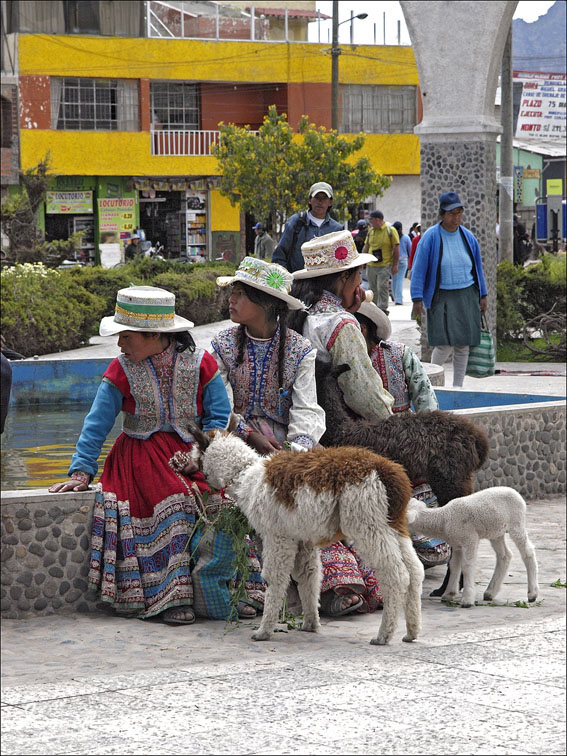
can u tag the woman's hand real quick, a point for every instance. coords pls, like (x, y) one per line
(262, 444)
(483, 304)
(358, 298)
(68, 485)
(416, 311)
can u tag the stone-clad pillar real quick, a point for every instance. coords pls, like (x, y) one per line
(458, 49)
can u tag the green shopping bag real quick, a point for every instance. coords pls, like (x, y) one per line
(482, 358)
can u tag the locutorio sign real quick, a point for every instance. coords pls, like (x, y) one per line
(116, 219)
(542, 107)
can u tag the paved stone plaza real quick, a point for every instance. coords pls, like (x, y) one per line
(488, 680)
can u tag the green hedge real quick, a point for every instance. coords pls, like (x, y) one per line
(46, 310)
(524, 293)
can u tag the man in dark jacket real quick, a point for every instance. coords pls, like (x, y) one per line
(304, 226)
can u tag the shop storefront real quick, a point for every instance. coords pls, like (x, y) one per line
(104, 208)
(175, 213)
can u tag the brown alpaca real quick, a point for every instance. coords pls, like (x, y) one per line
(439, 447)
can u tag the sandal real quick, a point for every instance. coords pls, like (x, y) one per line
(245, 611)
(332, 605)
(186, 615)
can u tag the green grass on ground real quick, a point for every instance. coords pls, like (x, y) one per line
(511, 351)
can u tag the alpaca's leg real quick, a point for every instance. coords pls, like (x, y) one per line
(503, 559)
(307, 572)
(453, 572)
(380, 550)
(278, 555)
(526, 549)
(443, 587)
(413, 595)
(470, 551)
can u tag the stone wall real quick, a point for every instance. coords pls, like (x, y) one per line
(45, 552)
(45, 537)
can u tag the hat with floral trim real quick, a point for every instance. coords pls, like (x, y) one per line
(379, 318)
(331, 253)
(144, 308)
(268, 277)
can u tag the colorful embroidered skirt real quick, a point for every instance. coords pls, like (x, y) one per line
(150, 549)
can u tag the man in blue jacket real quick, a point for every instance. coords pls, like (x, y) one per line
(304, 226)
(448, 278)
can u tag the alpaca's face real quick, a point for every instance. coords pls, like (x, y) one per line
(225, 457)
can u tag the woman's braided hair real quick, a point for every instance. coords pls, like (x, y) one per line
(183, 340)
(276, 311)
(310, 291)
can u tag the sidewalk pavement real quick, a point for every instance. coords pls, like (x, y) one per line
(486, 680)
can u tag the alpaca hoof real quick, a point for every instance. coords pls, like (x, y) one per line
(311, 626)
(409, 638)
(488, 597)
(466, 605)
(449, 596)
(378, 642)
(532, 597)
(260, 635)
(436, 593)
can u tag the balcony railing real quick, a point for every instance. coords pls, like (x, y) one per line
(183, 143)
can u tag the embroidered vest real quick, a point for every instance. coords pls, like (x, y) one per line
(388, 364)
(144, 386)
(249, 376)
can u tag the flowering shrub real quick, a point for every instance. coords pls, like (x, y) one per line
(44, 310)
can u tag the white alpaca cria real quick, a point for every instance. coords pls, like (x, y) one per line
(299, 501)
(462, 522)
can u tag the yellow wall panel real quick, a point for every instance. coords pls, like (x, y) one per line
(106, 153)
(198, 60)
(224, 217)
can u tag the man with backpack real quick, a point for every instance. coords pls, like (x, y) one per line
(384, 243)
(304, 226)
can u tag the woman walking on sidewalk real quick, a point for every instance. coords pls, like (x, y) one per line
(144, 531)
(448, 279)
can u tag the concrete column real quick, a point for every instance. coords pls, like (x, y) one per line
(458, 48)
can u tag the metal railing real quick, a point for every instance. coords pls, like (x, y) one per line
(183, 143)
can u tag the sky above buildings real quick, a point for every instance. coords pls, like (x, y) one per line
(372, 28)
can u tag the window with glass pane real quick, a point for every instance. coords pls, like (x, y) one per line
(378, 109)
(175, 105)
(88, 104)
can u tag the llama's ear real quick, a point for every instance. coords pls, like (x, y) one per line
(200, 438)
(232, 423)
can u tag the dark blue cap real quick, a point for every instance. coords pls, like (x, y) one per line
(449, 201)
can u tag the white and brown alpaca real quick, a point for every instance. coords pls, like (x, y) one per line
(490, 513)
(300, 501)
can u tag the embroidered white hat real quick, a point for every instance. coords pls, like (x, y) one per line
(144, 308)
(379, 318)
(331, 253)
(268, 277)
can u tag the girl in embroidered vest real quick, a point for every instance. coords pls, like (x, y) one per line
(398, 366)
(144, 533)
(268, 369)
(330, 285)
(403, 375)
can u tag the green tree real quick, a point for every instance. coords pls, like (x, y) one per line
(270, 172)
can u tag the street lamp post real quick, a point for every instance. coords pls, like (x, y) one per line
(335, 52)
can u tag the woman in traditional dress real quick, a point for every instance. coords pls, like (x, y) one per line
(405, 378)
(330, 285)
(146, 535)
(268, 369)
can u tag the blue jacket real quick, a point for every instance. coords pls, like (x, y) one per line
(426, 270)
(292, 259)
